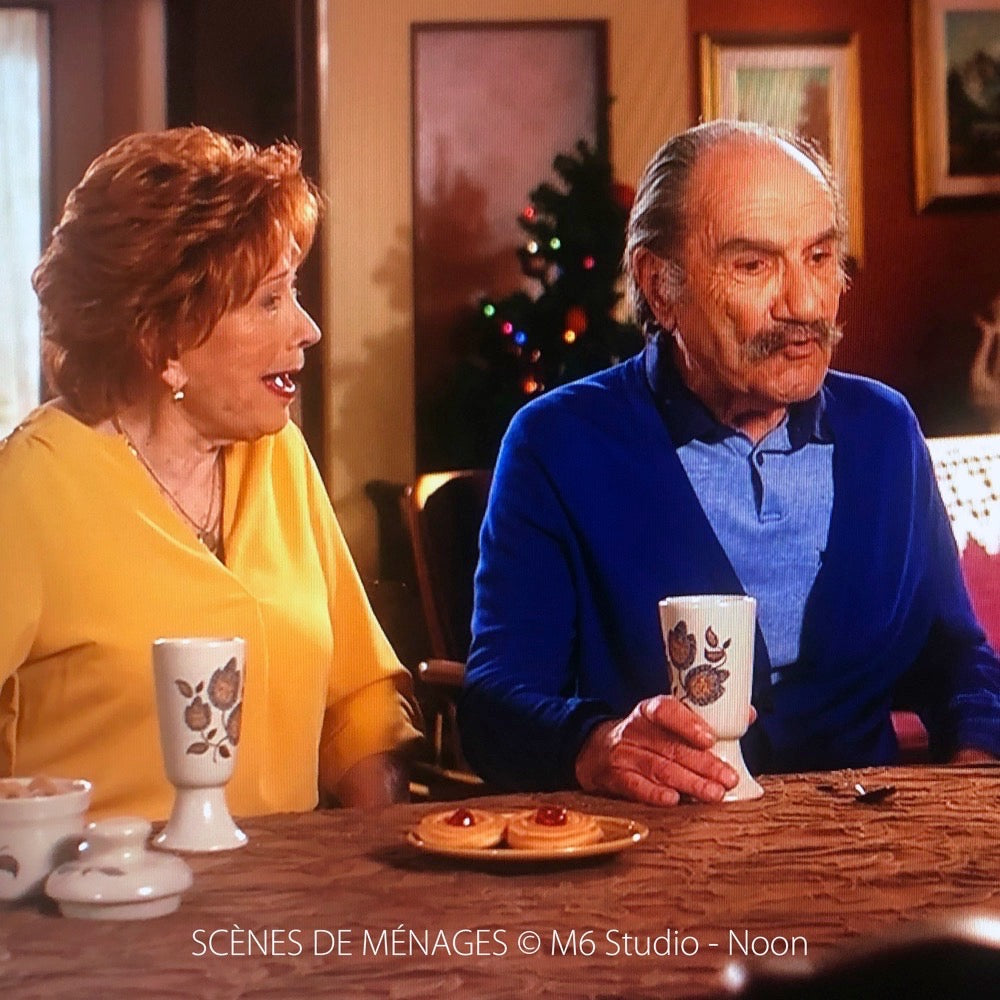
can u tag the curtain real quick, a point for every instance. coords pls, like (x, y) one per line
(23, 82)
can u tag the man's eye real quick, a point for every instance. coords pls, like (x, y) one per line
(271, 302)
(750, 265)
(821, 255)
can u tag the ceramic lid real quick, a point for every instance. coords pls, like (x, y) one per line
(115, 875)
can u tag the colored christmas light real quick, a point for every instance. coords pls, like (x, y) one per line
(576, 318)
(523, 342)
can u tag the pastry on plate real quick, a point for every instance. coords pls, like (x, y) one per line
(552, 828)
(462, 828)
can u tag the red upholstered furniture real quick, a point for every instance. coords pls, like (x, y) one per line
(967, 469)
(968, 475)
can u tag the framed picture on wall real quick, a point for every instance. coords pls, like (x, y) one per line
(956, 99)
(807, 85)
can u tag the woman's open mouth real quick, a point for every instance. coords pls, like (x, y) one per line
(281, 383)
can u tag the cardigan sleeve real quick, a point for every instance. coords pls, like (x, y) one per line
(521, 721)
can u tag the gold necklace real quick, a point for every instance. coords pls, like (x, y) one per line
(209, 532)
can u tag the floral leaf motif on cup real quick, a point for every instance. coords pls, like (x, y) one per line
(705, 684)
(9, 864)
(223, 693)
(198, 715)
(681, 646)
(224, 687)
(233, 723)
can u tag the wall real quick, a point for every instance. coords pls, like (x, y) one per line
(108, 79)
(909, 315)
(231, 66)
(365, 118)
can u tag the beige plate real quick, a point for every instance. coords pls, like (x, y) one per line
(618, 834)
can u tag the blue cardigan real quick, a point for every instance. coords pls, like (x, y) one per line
(591, 521)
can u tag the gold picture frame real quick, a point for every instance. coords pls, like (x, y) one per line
(809, 85)
(956, 99)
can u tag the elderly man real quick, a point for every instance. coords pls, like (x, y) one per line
(725, 458)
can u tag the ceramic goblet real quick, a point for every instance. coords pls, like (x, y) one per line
(710, 644)
(199, 701)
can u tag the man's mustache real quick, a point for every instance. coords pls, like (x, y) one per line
(777, 337)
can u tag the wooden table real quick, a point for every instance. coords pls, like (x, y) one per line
(331, 899)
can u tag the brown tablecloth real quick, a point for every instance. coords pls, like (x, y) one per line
(337, 904)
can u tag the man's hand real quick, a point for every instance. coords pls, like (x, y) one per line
(660, 751)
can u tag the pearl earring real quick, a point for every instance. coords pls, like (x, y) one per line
(178, 395)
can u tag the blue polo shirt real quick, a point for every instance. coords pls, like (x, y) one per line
(769, 504)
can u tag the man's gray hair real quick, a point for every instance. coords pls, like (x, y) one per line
(658, 220)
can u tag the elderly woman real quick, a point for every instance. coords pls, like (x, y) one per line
(165, 492)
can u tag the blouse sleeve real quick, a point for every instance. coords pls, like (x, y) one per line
(20, 590)
(20, 575)
(370, 706)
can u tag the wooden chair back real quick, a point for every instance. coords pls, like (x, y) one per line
(444, 511)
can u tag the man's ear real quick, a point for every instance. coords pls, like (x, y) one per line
(651, 276)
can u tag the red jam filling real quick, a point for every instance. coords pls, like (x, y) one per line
(551, 816)
(461, 817)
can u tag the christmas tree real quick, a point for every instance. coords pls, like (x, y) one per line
(525, 343)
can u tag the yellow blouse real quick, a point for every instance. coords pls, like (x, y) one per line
(95, 565)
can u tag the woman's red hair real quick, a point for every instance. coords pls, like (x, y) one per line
(164, 233)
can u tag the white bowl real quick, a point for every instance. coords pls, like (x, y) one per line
(38, 833)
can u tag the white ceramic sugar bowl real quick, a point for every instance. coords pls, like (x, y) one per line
(38, 830)
(115, 877)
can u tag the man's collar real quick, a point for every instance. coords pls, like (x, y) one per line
(687, 418)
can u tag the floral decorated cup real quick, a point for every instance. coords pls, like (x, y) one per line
(41, 824)
(199, 701)
(710, 643)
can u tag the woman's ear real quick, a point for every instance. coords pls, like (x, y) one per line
(175, 378)
(651, 276)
